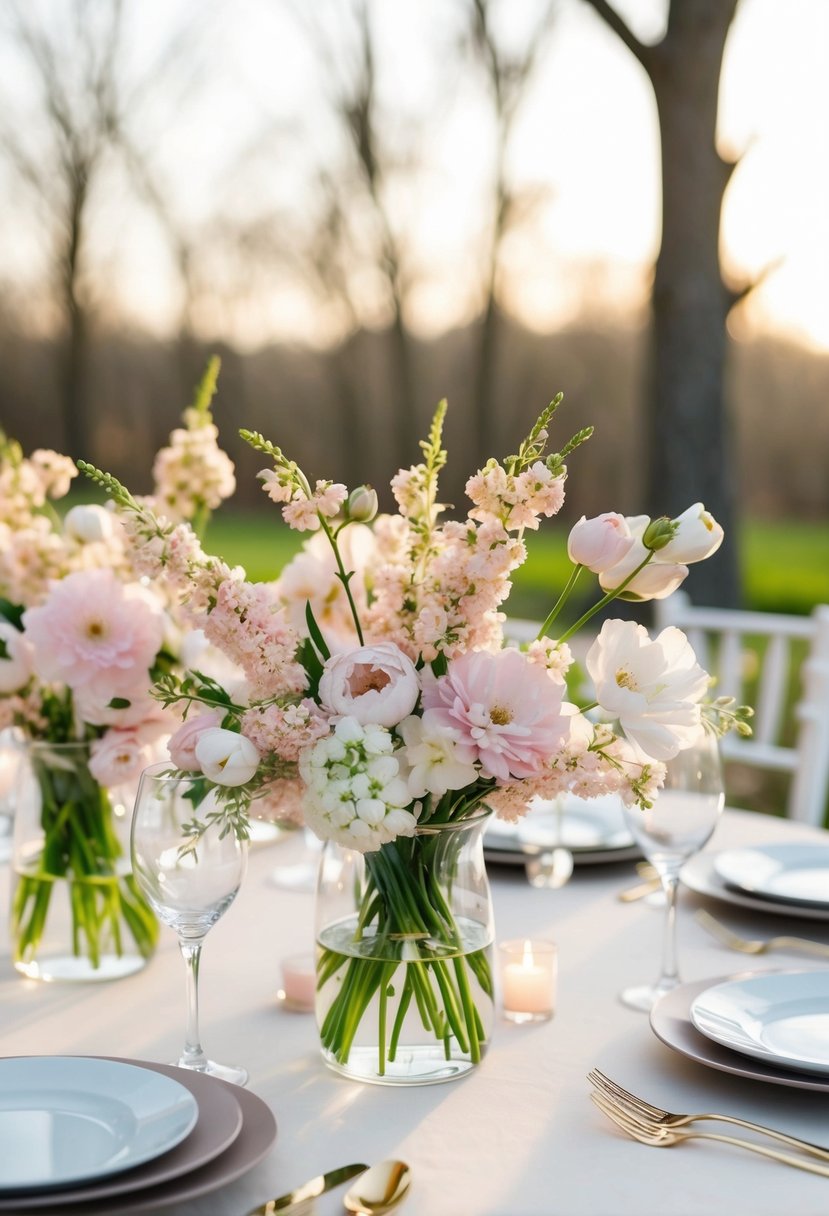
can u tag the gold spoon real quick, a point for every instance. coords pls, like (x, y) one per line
(379, 1189)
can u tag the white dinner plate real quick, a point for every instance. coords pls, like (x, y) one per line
(234, 1132)
(788, 873)
(781, 1017)
(592, 829)
(671, 1023)
(68, 1119)
(700, 875)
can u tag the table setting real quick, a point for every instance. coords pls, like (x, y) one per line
(423, 1028)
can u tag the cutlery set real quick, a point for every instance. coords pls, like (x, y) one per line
(662, 1129)
(377, 1190)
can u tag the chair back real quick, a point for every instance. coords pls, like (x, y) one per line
(722, 639)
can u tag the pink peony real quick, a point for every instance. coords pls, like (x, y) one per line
(91, 632)
(506, 709)
(182, 745)
(377, 685)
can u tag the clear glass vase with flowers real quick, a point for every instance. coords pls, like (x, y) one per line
(82, 640)
(382, 703)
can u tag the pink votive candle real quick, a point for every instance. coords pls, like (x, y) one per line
(528, 980)
(299, 982)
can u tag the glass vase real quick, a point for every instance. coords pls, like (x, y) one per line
(404, 954)
(76, 911)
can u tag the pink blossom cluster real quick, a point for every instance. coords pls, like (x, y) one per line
(285, 730)
(302, 507)
(515, 500)
(192, 473)
(250, 627)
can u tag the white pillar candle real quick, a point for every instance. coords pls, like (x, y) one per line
(528, 979)
(299, 983)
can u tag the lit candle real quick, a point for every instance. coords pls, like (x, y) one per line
(528, 977)
(299, 983)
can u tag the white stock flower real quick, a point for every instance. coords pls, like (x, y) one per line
(697, 536)
(15, 659)
(354, 793)
(431, 753)
(226, 757)
(653, 686)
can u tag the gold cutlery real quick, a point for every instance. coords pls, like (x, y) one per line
(758, 945)
(665, 1137)
(631, 894)
(379, 1190)
(657, 1121)
(309, 1190)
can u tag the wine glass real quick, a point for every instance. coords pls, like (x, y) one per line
(681, 820)
(189, 883)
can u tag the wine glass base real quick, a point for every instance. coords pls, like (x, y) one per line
(233, 1073)
(644, 996)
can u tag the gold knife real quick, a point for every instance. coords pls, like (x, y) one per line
(309, 1190)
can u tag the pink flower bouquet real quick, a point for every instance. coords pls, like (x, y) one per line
(380, 695)
(82, 641)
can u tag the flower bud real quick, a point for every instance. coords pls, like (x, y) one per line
(697, 535)
(226, 757)
(599, 543)
(361, 506)
(659, 533)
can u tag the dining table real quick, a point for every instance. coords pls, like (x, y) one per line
(518, 1135)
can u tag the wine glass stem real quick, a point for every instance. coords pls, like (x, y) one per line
(670, 967)
(193, 1056)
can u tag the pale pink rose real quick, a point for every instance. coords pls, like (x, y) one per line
(697, 537)
(15, 659)
(652, 686)
(377, 685)
(182, 745)
(119, 756)
(506, 711)
(91, 633)
(599, 543)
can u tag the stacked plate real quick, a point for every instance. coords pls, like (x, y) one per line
(783, 878)
(768, 1025)
(109, 1135)
(593, 830)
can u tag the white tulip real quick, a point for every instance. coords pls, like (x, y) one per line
(226, 757)
(89, 523)
(698, 535)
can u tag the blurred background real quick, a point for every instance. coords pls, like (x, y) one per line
(367, 205)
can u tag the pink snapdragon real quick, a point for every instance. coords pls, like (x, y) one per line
(505, 710)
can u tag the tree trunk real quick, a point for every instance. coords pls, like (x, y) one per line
(690, 455)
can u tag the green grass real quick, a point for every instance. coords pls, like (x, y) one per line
(785, 565)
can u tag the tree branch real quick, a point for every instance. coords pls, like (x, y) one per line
(623, 31)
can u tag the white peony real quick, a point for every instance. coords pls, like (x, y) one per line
(372, 684)
(15, 659)
(698, 535)
(653, 686)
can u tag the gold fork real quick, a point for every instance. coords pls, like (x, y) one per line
(758, 945)
(668, 1137)
(654, 1118)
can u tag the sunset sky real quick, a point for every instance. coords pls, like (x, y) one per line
(586, 137)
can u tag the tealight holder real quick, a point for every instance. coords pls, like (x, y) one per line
(528, 980)
(299, 984)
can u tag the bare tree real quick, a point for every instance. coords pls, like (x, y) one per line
(508, 76)
(691, 454)
(76, 84)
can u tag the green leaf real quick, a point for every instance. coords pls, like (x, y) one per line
(315, 632)
(13, 613)
(4, 649)
(119, 703)
(440, 665)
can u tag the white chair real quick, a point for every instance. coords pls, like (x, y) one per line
(719, 638)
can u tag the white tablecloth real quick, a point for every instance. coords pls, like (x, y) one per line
(519, 1136)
